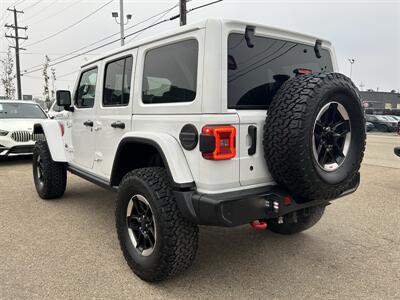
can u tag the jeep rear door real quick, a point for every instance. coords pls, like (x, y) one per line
(114, 109)
(257, 68)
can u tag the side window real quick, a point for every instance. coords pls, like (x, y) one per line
(117, 83)
(170, 73)
(85, 95)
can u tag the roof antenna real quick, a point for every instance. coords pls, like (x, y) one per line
(317, 48)
(249, 34)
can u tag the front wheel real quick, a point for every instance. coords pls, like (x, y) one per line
(50, 177)
(156, 240)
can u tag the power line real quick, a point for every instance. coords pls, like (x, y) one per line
(101, 40)
(70, 26)
(41, 78)
(48, 53)
(68, 74)
(128, 35)
(101, 46)
(163, 14)
(56, 13)
(33, 5)
(44, 9)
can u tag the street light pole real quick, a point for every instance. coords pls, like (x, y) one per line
(351, 61)
(121, 21)
(182, 12)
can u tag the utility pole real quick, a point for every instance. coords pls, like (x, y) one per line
(16, 37)
(182, 12)
(121, 22)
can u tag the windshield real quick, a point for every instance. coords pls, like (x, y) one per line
(256, 74)
(21, 111)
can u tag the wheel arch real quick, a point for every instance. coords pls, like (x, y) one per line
(150, 150)
(54, 139)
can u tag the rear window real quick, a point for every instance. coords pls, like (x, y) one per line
(170, 73)
(256, 74)
(117, 82)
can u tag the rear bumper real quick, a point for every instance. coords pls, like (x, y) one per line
(241, 207)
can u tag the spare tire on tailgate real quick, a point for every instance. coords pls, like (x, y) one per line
(314, 135)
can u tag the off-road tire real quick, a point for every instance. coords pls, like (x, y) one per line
(54, 174)
(177, 239)
(288, 135)
(304, 222)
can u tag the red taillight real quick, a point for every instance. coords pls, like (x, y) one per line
(218, 142)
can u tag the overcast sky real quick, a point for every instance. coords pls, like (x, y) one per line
(368, 31)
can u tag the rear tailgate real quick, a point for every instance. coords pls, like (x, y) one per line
(253, 168)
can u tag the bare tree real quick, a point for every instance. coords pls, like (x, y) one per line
(53, 84)
(7, 75)
(46, 92)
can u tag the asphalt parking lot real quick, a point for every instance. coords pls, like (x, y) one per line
(69, 249)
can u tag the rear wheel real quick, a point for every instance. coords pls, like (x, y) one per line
(156, 240)
(303, 220)
(50, 177)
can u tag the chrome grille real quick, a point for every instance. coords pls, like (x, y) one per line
(38, 137)
(21, 136)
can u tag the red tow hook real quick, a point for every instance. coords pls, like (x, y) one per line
(257, 224)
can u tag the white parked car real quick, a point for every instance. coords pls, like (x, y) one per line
(16, 126)
(219, 123)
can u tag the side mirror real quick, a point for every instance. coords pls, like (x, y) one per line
(63, 99)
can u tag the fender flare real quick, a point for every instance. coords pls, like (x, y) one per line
(52, 132)
(170, 151)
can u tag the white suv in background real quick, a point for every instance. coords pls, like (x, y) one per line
(219, 123)
(16, 126)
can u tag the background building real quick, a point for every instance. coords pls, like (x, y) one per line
(380, 100)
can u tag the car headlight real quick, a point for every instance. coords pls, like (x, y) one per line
(3, 132)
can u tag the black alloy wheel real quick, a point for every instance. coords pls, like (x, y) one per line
(141, 225)
(332, 136)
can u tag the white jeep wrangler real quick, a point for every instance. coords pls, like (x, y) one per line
(220, 123)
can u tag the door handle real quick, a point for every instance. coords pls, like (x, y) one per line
(118, 124)
(88, 123)
(253, 136)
